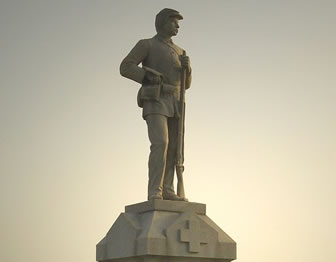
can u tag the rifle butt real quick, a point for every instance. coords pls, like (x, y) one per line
(180, 184)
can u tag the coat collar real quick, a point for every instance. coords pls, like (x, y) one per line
(167, 42)
(164, 39)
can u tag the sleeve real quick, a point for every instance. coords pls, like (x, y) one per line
(188, 74)
(129, 67)
(188, 79)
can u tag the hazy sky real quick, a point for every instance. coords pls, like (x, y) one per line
(260, 124)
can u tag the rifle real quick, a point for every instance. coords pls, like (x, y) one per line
(180, 137)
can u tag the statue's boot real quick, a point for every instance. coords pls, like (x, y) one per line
(156, 196)
(174, 197)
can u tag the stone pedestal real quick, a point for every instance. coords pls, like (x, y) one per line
(165, 231)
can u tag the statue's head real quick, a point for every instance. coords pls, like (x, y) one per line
(166, 22)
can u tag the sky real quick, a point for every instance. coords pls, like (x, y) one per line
(260, 124)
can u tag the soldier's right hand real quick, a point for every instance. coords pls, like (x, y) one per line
(152, 79)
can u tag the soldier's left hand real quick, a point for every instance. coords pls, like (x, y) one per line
(185, 61)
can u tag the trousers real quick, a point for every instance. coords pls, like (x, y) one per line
(162, 134)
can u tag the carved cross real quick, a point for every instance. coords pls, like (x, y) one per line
(194, 236)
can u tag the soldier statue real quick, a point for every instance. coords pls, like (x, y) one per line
(159, 96)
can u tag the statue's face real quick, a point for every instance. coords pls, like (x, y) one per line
(171, 26)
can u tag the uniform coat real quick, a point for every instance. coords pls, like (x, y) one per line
(164, 57)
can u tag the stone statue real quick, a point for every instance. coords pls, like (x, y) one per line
(164, 73)
(162, 229)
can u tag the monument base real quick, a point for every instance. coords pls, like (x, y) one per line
(167, 231)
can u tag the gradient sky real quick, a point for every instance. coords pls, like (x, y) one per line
(260, 124)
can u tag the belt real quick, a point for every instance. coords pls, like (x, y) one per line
(169, 89)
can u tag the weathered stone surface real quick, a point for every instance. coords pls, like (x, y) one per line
(166, 205)
(161, 230)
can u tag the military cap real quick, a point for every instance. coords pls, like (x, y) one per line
(163, 15)
(167, 12)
